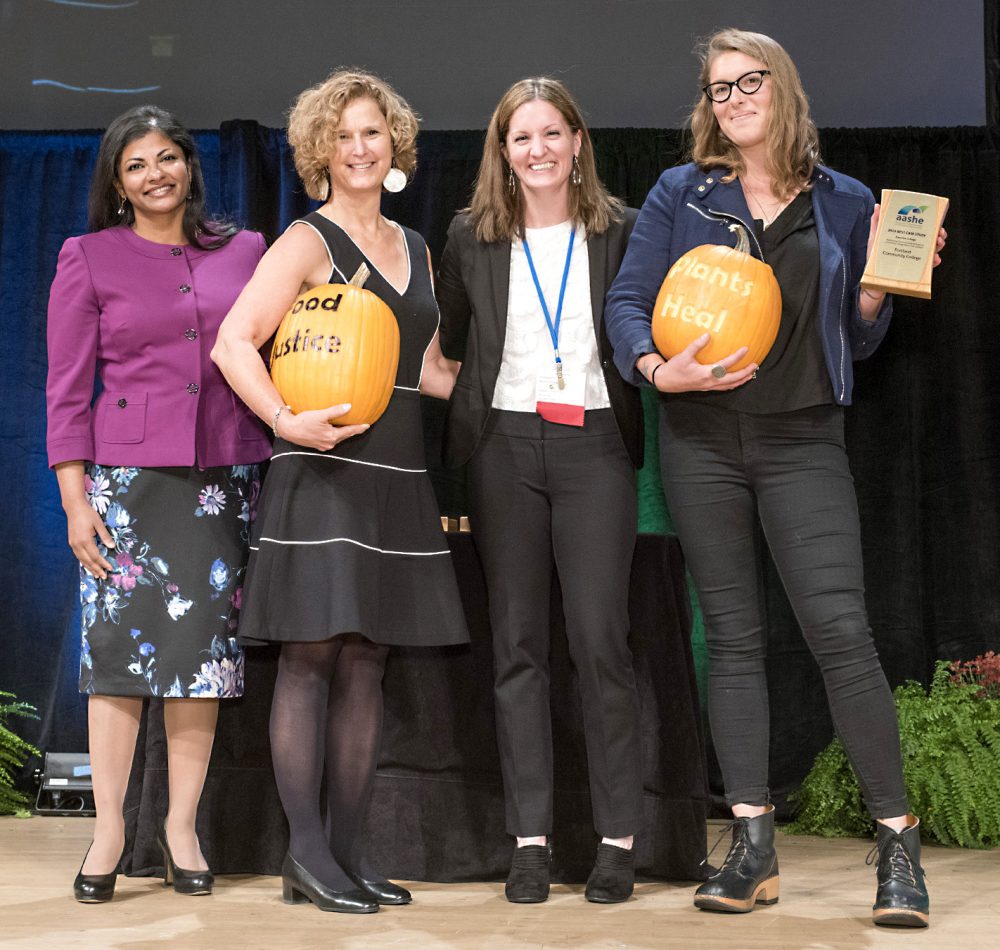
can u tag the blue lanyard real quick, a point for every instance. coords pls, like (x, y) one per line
(553, 327)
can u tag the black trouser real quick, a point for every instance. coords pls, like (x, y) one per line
(722, 470)
(538, 493)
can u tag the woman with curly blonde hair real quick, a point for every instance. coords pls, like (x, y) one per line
(347, 555)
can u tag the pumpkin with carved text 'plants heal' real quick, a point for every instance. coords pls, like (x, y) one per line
(721, 291)
(338, 343)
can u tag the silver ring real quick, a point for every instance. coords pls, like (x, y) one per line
(718, 371)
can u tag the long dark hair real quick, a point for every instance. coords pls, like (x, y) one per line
(105, 199)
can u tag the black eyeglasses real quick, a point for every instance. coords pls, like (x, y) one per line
(748, 84)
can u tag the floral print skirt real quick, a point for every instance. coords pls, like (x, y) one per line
(164, 621)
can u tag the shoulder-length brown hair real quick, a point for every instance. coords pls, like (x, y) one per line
(315, 116)
(496, 213)
(792, 142)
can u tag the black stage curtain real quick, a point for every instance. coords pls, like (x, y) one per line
(923, 434)
(991, 17)
(437, 807)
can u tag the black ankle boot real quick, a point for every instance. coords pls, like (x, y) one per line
(613, 877)
(901, 899)
(528, 881)
(749, 875)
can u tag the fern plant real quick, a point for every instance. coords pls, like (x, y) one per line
(13, 752)
(950, 737)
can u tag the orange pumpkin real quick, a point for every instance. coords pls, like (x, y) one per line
(338, 343)
(724, 292)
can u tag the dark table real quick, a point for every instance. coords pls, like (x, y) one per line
(437, 806)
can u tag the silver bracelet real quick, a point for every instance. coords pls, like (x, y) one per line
(274, 421)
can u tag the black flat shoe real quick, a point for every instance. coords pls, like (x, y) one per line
(385, 892)
(94, 888)
(528, 881)
(193, 883)
(298, 886)
(613, 877)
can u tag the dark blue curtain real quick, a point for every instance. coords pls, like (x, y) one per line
(924, 435)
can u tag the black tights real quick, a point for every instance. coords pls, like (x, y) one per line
(326, 718)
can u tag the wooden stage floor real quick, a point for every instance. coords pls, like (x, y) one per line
(825, 901)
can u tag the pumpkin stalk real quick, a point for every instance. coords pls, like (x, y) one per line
(742, 239)
(360, 276)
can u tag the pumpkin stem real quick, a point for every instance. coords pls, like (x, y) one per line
(360, 276)
(742, 239)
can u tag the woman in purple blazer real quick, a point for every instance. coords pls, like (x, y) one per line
(158, 474)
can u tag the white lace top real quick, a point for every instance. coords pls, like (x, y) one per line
(528, 344)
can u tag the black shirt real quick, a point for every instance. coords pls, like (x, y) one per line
(793, 375)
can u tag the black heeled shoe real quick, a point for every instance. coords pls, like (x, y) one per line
(613, 878)
(298, 886)
(385, 892)
(528, 881)
(192, 883)
(94, 888)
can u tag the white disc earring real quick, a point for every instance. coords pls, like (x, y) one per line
(395, 180)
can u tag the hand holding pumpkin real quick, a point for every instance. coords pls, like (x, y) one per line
(684, 373)
(315, 427)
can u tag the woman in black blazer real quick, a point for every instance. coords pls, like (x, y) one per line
(551, 436)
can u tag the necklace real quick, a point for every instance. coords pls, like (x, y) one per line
(777, 206)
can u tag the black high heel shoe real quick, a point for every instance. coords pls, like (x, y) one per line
(385, 892)
(194, 883)
(94, 888)
(298, 886)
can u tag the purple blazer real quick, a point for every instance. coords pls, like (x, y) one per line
(141, 318)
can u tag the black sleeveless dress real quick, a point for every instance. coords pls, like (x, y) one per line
(350, 540)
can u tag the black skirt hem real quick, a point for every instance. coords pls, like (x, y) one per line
(383, 638)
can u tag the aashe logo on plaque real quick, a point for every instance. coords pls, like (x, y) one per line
(903, 257)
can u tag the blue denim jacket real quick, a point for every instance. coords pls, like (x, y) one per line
(687, 208)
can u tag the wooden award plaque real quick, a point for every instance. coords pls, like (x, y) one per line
(903, 256)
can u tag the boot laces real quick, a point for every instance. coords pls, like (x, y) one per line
(900, 864)
(737, 850)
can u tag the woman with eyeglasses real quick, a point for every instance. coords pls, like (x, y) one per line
(767, 442)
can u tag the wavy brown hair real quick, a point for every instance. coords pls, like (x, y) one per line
(792, 144)
(498, 215)
(315, 116)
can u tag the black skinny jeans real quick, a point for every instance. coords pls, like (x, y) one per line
(722, 470)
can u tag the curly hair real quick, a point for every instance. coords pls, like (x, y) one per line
(792, 141)
(315, 116)
(497, 213)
